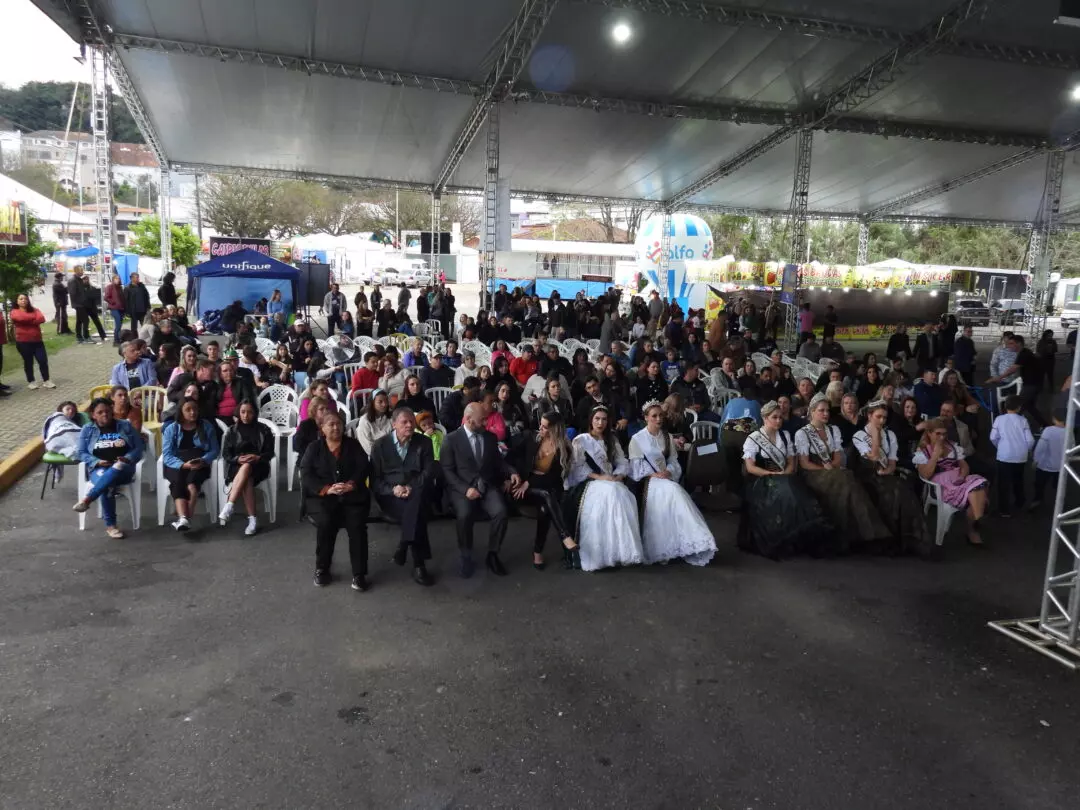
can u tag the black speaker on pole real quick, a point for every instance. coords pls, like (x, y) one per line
(425, 242)
(314, 283)
(1069, 13)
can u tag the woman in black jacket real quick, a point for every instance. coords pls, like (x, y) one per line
(547, 463)
(652, 386)
(334, 472)
(248, 452)
(414, 397)
(166, 293)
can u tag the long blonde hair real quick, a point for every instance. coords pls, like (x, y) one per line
(557, 429)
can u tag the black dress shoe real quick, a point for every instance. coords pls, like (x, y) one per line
(399, 555)
(467, 566)
(360, 583)
(322, 577)
(421, 576)
(495, 565)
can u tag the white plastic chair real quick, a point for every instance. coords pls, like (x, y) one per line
(421, 330)
(704, 430)
(932, 497)
(438, 394)
(356, 401)
(131, 492)
(150, 449)
(268, 487)
(434, 325)
(722, 397)
(1004, 392)
(760, 360)
(691, 414)
(265, 346)
(278, 393)
(285, 417)
(209, 489)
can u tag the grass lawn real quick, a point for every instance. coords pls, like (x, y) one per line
(13, 365)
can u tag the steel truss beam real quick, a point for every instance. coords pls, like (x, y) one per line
(936, 190)
(800, 200)
(738, 17)
(1039, 253)
(870, 81)
(314, 177)
(862, 257)
(491, 204)
(517, 45)
(299, 64)
(736, 113)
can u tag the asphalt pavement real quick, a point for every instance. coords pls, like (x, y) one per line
(206, 671)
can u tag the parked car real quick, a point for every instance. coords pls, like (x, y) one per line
(1007, 311)
(389, 277)
(972, 312)
(415, 274)
(1070, 316)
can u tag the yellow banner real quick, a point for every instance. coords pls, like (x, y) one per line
(714, 304)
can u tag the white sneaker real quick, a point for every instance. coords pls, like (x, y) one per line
(251, 527)
(49, 384)
(34, 386)
(226, 513)
(181, 524)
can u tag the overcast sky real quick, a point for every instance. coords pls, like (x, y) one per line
(35, 49)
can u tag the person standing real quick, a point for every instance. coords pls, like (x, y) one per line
(116, 302)
(831, 320)
(60, 302)
(334, 470)
(1011, 435)
(403, 299)
(77, 297)
(476, 472)
(27, 321)
(167, 291)
(5, 390)
(1047, 349)
(92, 297)
(334, 303)
(964, 354)
(806, 322)
(925, 345)
(136, 301)
(404, 475)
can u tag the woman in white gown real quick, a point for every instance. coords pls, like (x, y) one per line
(672, 526)
(601, 512)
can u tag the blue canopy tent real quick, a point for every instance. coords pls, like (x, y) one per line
(245, 276)
(123, 264)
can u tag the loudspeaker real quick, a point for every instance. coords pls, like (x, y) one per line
(425, 243)
(314, 283)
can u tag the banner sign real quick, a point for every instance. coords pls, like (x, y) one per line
(13, 224)
(773, 275)
(224, 245)
(789, 285)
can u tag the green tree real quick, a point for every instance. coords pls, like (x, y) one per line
(242, 205)
(41, 177)
(45, 105)
(20, 265)
(146, 241)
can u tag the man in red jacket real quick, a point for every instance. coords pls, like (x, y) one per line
(368, 376)
(521, 368)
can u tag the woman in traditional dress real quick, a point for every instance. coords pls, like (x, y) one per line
(894, 497)
(942, 462)
(672, 526)
(820, 451)
(781, 517)
(601, 512)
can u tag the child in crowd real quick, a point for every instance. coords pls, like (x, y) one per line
(1012, 437)
(61, 432)
(670, 368)
(1049, 453)
(263, 329)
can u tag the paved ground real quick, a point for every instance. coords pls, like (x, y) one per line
(207, 672)
(75, 370)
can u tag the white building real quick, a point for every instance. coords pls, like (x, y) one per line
(70, 157)
(55, 223)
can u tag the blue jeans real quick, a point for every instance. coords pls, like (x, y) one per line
(102, 481)
(118, 323)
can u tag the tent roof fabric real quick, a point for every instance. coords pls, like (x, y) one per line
(244, 262)
(1008, 69)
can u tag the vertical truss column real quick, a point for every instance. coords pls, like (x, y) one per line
(864, 243)
(436, 219)
(491, 205)
(165, 219)
(800, 200)
(1039, 254)
(99, 122)
(1056, 632)
(665, 255)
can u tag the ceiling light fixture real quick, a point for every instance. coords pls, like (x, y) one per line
(1076, 93)
(621, 33)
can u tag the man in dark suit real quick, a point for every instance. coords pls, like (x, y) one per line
(404, 482)
(476, 475)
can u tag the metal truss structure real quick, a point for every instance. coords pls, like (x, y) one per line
(736, 113)
(800, 198)
(99, 122)
(866, 84)
(491, 205)
(436, 220)
(739, 16)
(1056, 631)
(517, 45)
(862, 257)
(1039, 254)
(665, 255)
(930, 192)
